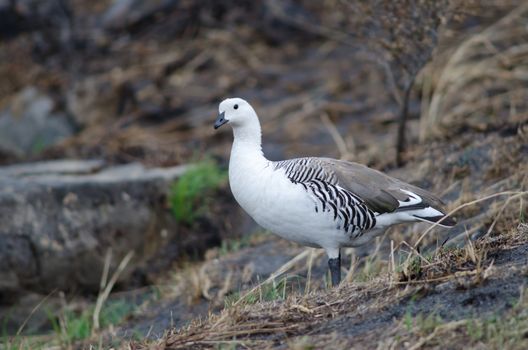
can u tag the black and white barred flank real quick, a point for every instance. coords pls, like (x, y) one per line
(300, 170)
(349, 211)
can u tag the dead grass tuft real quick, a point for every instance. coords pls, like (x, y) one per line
(262, 324)
(488, 62)
(470, 261)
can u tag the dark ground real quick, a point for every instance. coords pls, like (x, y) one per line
(380, 314)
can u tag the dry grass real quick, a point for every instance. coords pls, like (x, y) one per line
(453, 263)
(491, 61)
(263, 324)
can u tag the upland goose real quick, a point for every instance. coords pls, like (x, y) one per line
(318, 202)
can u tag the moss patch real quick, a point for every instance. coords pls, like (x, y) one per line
(190, 194)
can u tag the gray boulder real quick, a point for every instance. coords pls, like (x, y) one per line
(59, 218)
(30, 124)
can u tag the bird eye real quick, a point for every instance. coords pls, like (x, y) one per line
(235, 107)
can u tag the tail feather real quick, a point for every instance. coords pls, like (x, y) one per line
(415, 208)
(420, 209)
(446, 221)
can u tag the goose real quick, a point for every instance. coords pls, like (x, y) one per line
(317, 202)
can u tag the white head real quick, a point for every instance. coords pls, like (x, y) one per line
(236, 112)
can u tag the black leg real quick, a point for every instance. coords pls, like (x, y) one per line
(335, 270)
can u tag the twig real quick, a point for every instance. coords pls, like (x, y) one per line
(276, 274)
(106, 269)
(344, 152)
(515, 194)
(502, 210)
(353, 265)
(309, 273)
(447, 326)
(393, 263)
(108, 288)
(21, 328)
(465, 205)
(400, 140)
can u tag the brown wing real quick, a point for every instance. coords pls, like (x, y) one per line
(380, 192)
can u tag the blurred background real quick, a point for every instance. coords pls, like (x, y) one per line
(116, 219)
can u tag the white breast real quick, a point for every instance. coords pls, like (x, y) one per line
(277, 204)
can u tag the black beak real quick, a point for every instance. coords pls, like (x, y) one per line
(220, 120)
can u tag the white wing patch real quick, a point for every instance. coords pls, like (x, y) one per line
(413, 199)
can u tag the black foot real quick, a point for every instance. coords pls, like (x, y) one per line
(335, 270)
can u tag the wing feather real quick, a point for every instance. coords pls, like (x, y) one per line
(380, 192)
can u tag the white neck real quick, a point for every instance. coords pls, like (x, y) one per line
(248, 168)
(248, 137)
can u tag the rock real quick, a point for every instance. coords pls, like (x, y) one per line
(30, 124)
(18, 16)
(125, 13)
(10, 24)
(58, 219)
